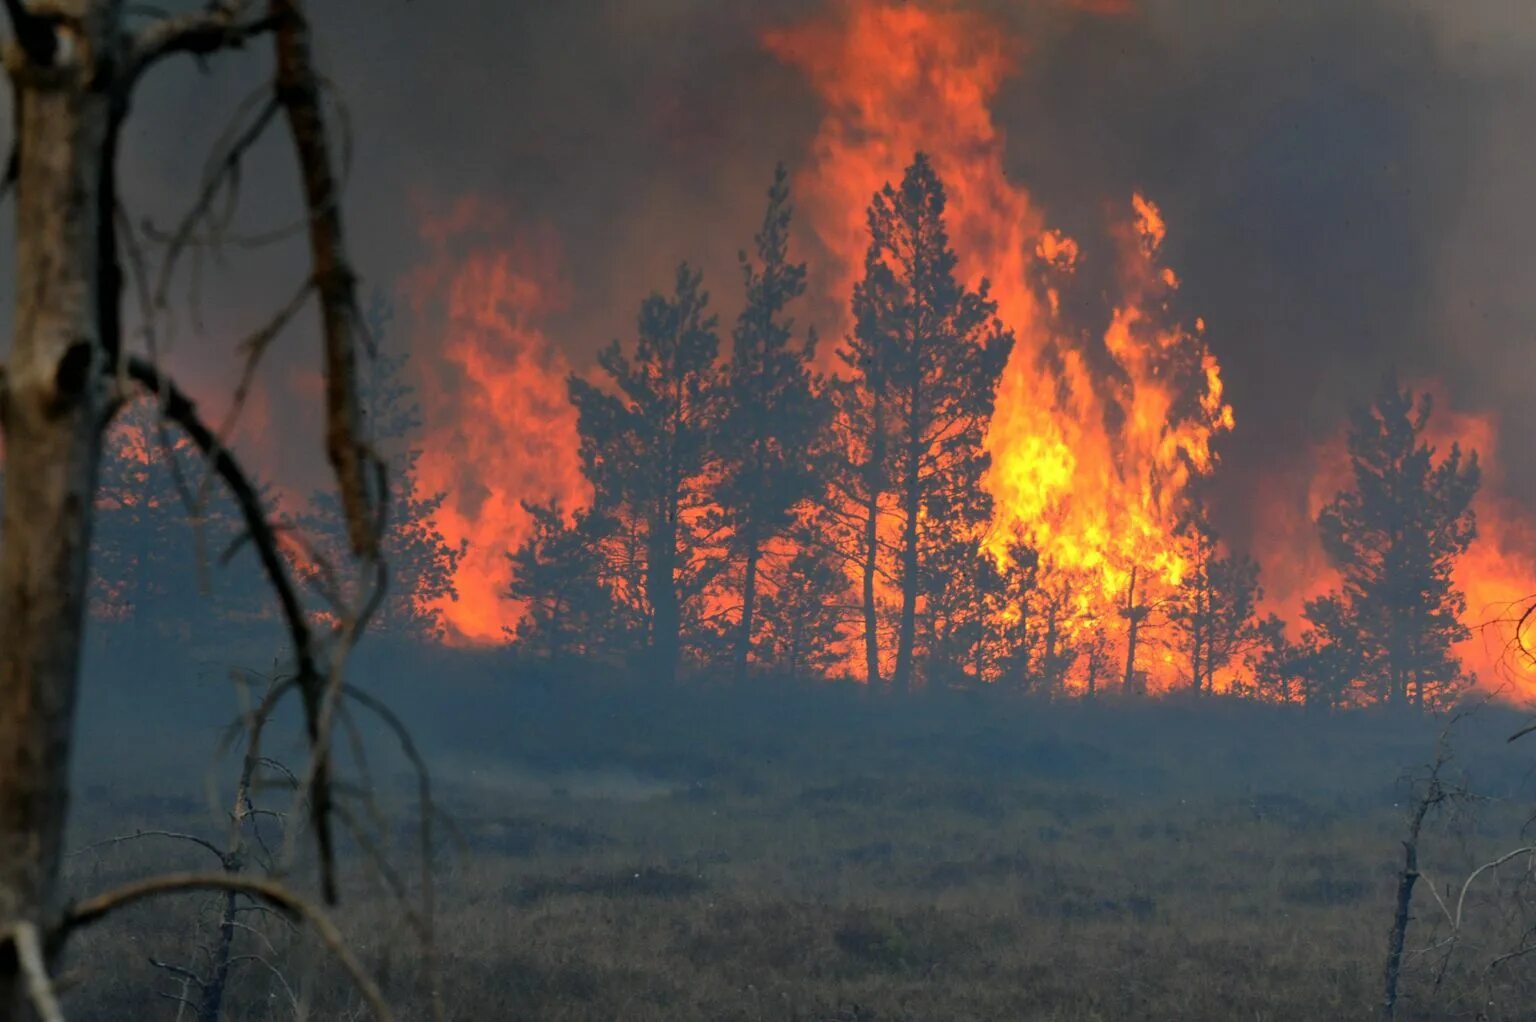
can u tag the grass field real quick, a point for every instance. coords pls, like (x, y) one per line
(782, 853)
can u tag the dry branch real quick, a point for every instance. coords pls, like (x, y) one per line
(176, 406)
(224, 26)
(93, 910)
(298, 90)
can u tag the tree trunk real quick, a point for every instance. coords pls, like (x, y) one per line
(56, 401)
(873, 476)
(906, 637)
(871, 616)
(211, 1004)
(666, 624)
(748, 603)
(1133, 615)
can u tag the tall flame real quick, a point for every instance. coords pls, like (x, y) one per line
(498, 427)
(1098, 430)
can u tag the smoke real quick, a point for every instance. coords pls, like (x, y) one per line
(1346, 185)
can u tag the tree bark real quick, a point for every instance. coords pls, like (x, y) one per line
(57, 399)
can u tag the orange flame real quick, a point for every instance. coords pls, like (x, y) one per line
(1497, 574)
(498, 428)
(1090, 466)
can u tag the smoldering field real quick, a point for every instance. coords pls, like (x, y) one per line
(821, 852)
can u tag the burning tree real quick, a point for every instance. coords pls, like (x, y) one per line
(1395, 535)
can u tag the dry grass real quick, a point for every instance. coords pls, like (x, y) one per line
(717, 855)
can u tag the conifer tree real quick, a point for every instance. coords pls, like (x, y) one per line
(1212, 611)
(927, 352)
(646, 445)
(1330, 658)
(804, 615)
(771, 415)
(1395, 535)
(557, 577)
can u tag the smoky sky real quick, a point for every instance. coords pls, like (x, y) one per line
(1347, 184)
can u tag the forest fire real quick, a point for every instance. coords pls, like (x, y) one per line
(1101, 420)
(498, 429)
(1105, 418)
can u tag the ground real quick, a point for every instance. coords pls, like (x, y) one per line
(786, 853)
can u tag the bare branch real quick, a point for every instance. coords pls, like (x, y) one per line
(136, 835)
(298, 90)
(176, 406)
(93, 910)
(224, 169)
(224, 26)
(178, 971)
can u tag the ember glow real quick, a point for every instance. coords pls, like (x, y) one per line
(498, 428)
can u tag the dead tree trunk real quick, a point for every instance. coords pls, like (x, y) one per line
(72, 66)
(1433, 793)
(57, 397)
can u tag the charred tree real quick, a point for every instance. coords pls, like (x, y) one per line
(73, 69)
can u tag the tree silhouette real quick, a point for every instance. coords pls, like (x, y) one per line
(557, 575)
(646, 447)
(805, 614)
(1212, 611)
(771, 416)
(1330, 658)
(1395, 535)
(927, 352)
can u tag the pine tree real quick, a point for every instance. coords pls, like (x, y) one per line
(1274, 664)
(1330, 658)
(1212, 611)
(928, 352)
(557, 576)
(1054, 643)
(1395, 535)
(771, 418)
(647, 448)
(804, 615)
(1012, 612)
